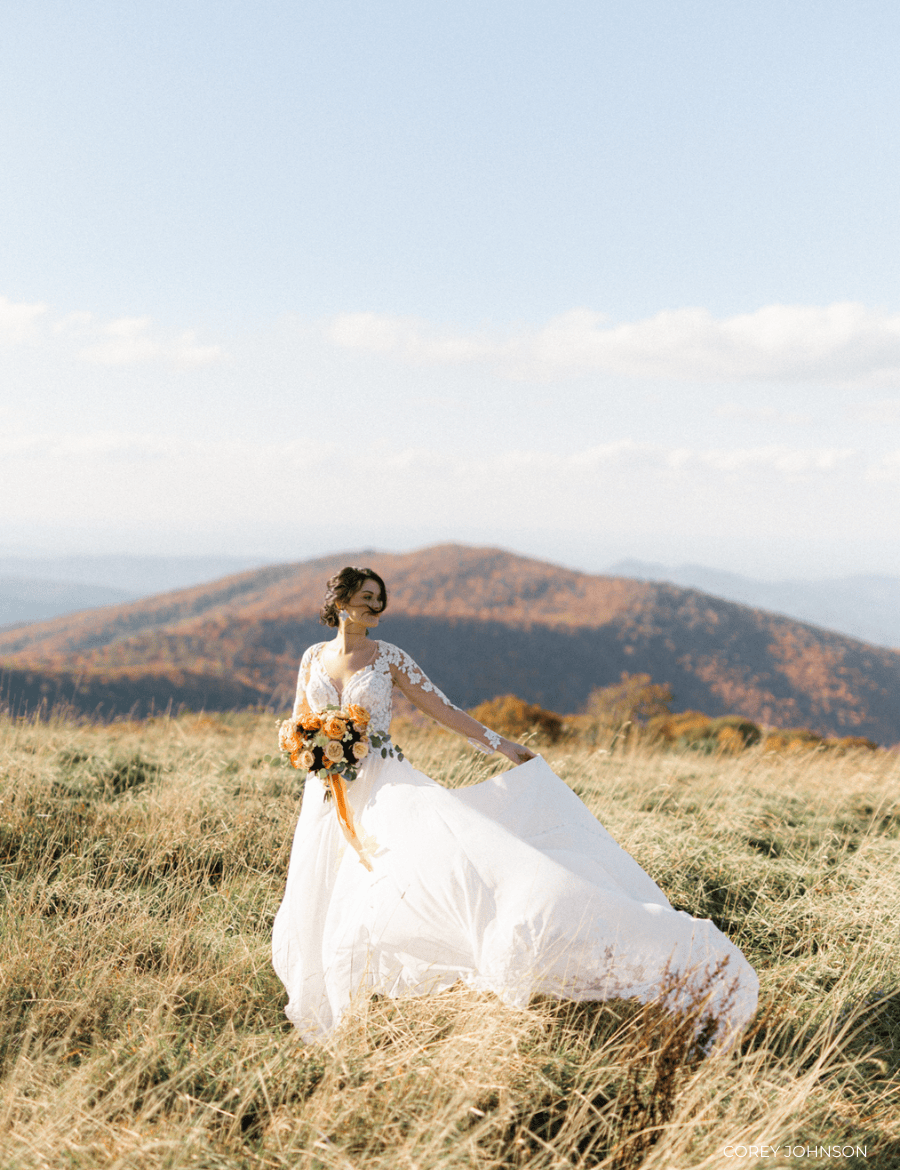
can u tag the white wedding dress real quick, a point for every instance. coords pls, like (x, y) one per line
(511, 885)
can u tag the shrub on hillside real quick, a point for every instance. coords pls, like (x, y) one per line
(636, 699)
(514, 718)
(850, 743)
(684, 727)
(728, 734)
(733, 733)
(790, 740)
(623, 707)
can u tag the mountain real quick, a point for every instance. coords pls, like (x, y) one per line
(481, 622)
(865, 606)
(34, 599)
(36, 588)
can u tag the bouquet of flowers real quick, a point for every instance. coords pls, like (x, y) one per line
(334, 741)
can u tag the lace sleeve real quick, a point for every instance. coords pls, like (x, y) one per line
(301, 706)
(419, 689)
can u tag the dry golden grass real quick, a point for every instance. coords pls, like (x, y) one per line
(141, 1025)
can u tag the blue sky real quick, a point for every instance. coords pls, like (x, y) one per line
(584, 280)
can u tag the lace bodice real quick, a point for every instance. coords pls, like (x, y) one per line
(372, 687)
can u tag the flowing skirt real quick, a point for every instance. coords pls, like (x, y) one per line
(510, 885)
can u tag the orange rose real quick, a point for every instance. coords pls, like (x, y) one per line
(311, 722)
(359, 715)
(334, 728)
(333, 751)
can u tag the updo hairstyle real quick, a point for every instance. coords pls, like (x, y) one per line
(341, 587)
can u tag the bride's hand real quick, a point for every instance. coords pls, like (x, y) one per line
(516, 752)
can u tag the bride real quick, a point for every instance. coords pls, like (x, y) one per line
(510, 885)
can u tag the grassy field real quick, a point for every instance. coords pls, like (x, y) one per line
(141, 1025)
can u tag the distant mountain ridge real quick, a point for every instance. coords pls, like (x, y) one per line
(865, 605)
(138, 575)
(481, 622)
(36, 599)
(34, 589)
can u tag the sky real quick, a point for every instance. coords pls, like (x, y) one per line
(583, 280)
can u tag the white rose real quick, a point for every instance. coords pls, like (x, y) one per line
(333, 751)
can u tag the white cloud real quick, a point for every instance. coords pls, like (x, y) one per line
(639, 458)
(886, 411)
(408, 338)
(77, 325)
(113, 446)
(133, 340)
(765, 501)
(763, 414)
(124, 341)
(297, 453)
(836, 344)
(886, 469)
(788, 461)
(96, 446)
(17, 322)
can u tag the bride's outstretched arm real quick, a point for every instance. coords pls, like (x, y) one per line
(421, 691)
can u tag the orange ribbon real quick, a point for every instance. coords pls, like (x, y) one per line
(345, 816)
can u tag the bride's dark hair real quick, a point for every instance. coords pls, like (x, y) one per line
(342, 586)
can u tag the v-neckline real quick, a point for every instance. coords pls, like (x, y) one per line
(339, 694)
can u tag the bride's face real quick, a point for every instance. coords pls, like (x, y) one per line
(365, 605)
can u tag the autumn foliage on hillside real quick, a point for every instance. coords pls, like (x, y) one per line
(481, 623)
(634, 700)
(637, 710)
(515, 719)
